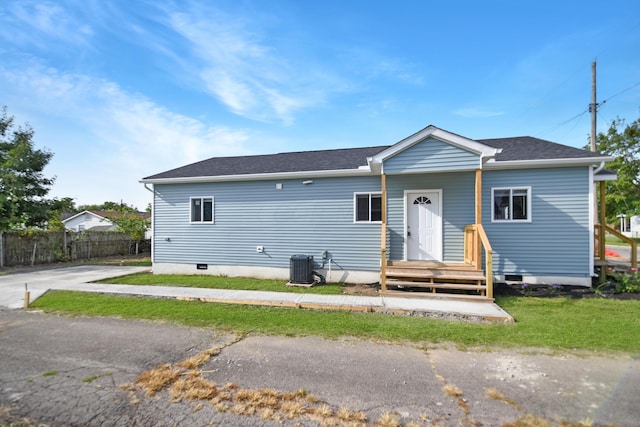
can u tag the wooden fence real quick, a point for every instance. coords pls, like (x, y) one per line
(45, 247)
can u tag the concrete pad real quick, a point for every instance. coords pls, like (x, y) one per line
(78, 278)
(483, 309)
(12, 286)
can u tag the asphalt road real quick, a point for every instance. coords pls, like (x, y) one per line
(65, 371)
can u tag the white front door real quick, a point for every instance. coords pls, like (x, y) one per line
(424, 225)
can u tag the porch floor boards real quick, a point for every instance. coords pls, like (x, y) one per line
(414, 279)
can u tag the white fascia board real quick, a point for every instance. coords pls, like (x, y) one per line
(431, 131)
(605, 177)
(262, 176)
(541, 163)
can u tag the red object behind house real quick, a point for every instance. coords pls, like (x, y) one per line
(611, 253)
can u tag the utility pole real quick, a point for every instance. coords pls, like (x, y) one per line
(599, 220)
(593, 107)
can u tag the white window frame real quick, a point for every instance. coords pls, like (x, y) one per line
(355, 206)
(213, 210)
(511, 191)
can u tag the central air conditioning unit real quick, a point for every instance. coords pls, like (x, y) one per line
(301, 269)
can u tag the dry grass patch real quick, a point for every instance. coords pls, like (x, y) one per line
(387, 419)
(528, 420)
(494, 394)
(221, 397)
(192, 387)
(158, 378)
(293, 409)
(198, 360)
(452, 391)
(221, 407)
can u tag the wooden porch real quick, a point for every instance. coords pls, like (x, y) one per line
(435, 279)
(471, 279)
(461, 280)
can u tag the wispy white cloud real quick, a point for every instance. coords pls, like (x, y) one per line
(475, 113)
(127, 136)
(37, 22)
(234, 62)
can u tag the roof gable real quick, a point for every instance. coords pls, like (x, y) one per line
(107, 216)
(440, 134)
(432, 155)
(87, 213)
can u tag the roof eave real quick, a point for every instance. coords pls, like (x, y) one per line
(515, 164)
(362, 171)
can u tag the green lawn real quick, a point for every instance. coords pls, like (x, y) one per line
(555, 323)
(220, 282)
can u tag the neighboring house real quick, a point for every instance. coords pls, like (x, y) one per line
(97, 220)
(89, 220)
(360, 211)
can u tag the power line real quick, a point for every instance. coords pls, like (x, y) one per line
(600, 104)
(621, 92)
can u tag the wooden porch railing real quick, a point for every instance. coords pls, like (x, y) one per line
(601, 230)
(475, 239)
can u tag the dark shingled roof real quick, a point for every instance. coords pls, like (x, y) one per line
(529, 148)
(301, 161)
(518, 148)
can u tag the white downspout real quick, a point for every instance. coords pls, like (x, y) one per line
(599, 168)
(153, 227)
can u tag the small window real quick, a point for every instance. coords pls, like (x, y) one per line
(368, 207)
(511, 204)
(202, 209)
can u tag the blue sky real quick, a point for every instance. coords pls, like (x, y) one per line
(123, 89)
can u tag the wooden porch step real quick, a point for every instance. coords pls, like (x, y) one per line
(428, 285)
(430, 265)
(462, 275)
(459, 297)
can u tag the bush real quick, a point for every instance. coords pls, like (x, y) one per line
(628, 281)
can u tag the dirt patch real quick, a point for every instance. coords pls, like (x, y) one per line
(564, 291)
(370, 290)
(522, 290)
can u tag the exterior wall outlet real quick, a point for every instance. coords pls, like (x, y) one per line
(260, 249)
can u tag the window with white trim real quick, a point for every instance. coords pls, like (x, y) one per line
(201, 210)
(511, 204)
(368, 207)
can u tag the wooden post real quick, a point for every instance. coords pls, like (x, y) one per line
(601, 240)
(477, 244)
(478, 196)
(489, 274)
(27, 296)
(383, 235)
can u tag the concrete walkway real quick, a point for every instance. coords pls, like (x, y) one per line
(12, 292)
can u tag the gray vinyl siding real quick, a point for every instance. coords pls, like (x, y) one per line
(556, 241)
(458, 209)
(299, 219)
(431, 155)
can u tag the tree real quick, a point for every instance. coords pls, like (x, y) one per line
(23, 186)
(58, 207)
(132, 223)
(109, 206)
(622, 195)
